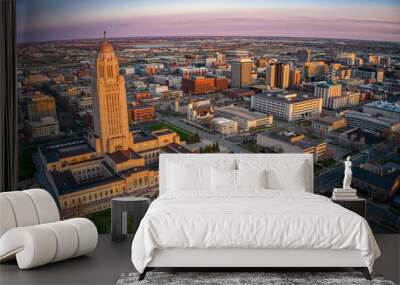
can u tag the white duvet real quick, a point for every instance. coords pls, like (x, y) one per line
(250, 219)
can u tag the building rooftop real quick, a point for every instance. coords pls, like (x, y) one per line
(129, 171)
(65, 148)
(293, 138)
(66, 182)
(241, 112)
(121, 156)
(384, 105)
(162, 132)
(287, 97)
(220, 120)
(139, 107)
(326, 84)
(371, 118)
(142, 137)
(75, 150)
(175, 148)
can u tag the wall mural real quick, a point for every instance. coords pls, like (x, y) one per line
(97, 108)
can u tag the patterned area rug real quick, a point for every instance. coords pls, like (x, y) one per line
(244, 278)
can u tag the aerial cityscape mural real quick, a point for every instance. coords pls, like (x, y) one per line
(105, 87)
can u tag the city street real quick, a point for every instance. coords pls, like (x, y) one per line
(203, 134)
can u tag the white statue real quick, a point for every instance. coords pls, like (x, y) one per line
(347, 174)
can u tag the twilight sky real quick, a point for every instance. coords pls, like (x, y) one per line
(42, 20)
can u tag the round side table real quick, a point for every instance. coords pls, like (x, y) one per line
(120, 208)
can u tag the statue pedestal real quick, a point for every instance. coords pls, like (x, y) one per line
(344, 194)
(344, 190)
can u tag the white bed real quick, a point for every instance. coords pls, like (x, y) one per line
(248, 227)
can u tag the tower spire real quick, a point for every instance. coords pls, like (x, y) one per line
(105, 38)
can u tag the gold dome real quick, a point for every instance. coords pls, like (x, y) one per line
(106, 47)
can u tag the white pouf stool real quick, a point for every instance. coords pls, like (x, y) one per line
(31, 230)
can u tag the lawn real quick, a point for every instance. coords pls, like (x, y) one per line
(250, 145)
(26, 168)
(102, 220)
(184, 135)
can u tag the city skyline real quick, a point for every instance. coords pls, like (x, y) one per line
(365, 20)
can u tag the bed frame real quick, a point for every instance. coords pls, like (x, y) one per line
(250, 259)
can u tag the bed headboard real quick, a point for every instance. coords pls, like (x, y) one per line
(210, 158)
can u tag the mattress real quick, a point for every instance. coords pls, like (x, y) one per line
(251, 219)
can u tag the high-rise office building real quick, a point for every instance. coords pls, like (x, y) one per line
(327, 91)
(295, 76)
(270, 75)
(282, 75)
(303, 55)
(277, 75)
(315, 70)
(241, 72)
(368, 73)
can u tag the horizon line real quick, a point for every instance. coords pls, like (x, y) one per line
(205, 36)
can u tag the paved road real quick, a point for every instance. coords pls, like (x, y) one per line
(203, 134)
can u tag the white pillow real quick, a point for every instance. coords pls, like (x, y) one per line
(223, 179)
(282, 174)
(293, 178)
(182, 177)
(251, 178)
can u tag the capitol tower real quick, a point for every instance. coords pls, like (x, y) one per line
(111, 127)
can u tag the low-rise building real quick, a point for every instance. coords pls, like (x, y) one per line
(141, 95)
(171, 94)
(169, 80)
(36, 79)
(374, 123)
(246, 119)
(45, 127)
(85, 103)
(287, 106)
(41, 106)
(224, 126)
(187, 72)
(290, 142)
(203, 85)
(198, 85)
(383, 108)
(156, 89)
(329, 123)
(142, 112)
(368, 73)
